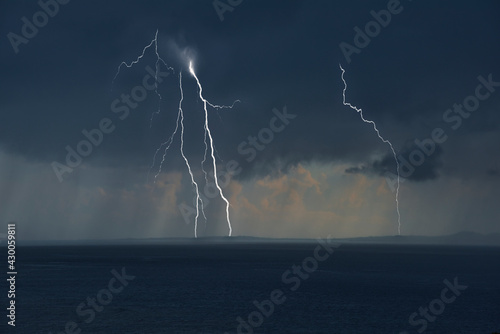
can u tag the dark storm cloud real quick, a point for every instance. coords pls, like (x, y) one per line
(414, 164)
(266, 54)
(358, 170)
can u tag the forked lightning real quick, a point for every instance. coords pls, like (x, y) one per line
(165, 146)
(360, 112)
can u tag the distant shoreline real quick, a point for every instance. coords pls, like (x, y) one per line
(458, 239)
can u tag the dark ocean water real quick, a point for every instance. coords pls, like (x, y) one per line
(204, 288)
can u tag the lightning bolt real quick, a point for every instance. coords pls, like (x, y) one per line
(211, 140)
(193, 182)
(180, 120)
(360, 112)
(159, 60)
(165, 146)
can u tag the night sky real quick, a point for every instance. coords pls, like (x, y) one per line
(302, 164)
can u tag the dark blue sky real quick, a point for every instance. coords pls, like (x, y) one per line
(324, 173)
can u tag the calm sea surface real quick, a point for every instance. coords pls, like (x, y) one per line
(219, 288)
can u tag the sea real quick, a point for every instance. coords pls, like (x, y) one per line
(282, 287)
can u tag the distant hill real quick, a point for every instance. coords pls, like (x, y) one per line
(461, 238)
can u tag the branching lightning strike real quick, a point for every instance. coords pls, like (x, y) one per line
(159, 60)
(360, 112)
(165, 146)
(193, 182)
(208, 132)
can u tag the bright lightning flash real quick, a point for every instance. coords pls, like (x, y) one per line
(168, 143)
(360, 112)
(180, 121)
(207, 132)
(193, 182)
